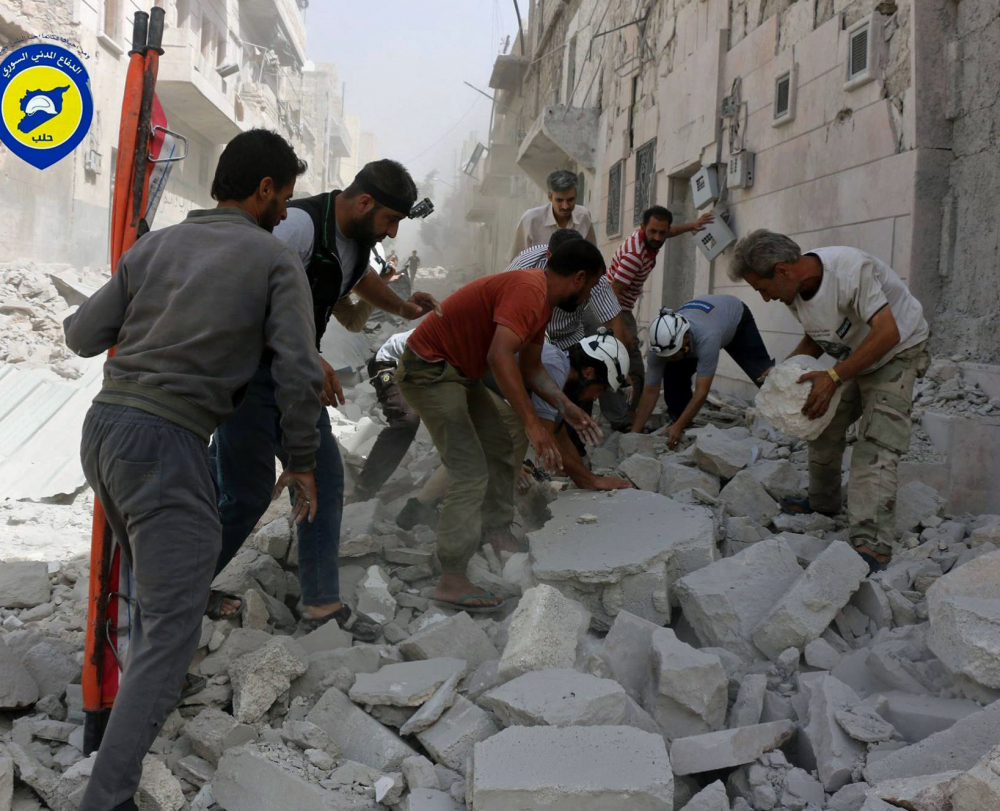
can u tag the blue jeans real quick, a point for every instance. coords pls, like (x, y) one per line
(244, 448)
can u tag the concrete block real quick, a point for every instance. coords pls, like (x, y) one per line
(779, 477)
(928, 792)
(711, 798)
(572, 769)
(809, 606)
(675, 478)
(158, 790)
(357, 734)
(781, 399)
(53, 664)
(866, 726)
(957, 748)
(420, 773)
(801, 784)
(260, 677)
(728, 748)
(749, 704)
(825, 745)
(849, 798)
(725, 601)
(745, 496)
(328, 636)
(251, 568)
(407, 684)
(806, 547)
(213, 731)
(24, 583)
(274, 538)
(17, 687)
(374, 598)
(918, 717)
(544, 633)
(653, 534)
(978, 788)
(627, 652)
(451, 738)
(688, 694)
(458, 636)
(357, 530)
(644, 471)
(306, 735)
(558, 698)
(871, 600)
(335, 668)
(648, 444)
(725, 452)
(964, 611)
(433, 708)
(822, 655)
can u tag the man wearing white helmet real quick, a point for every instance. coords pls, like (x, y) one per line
(686, 343)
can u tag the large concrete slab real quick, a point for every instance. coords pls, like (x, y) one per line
(728, 748)
(558, 698)
(459, 637)
(640, 543)
(572, 769)
(725, 601)
(405, 684)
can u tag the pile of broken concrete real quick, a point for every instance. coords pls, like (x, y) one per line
(684, 645)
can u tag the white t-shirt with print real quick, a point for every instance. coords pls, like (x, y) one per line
(855, 287)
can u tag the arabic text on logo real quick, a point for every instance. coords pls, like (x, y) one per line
(46, 106)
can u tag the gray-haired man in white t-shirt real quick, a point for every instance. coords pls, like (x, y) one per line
(856, 309)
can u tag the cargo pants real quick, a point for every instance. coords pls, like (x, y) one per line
(882, 400)
(476, 450)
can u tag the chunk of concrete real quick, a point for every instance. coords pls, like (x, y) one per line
(260, 677)
(357, 529)
(274, 538)
(728, 748)
(545, 630)
(865, 726)
(676, 478)
(53, 664)
(458, 636)
(806, 547)
(711, 798)
(6, 783)
(252, 568)
(745, 496)
(780, 478)
(406, 684)
(825, 745)
(957, 748)
(374, 598)
(329, 636)
(572, 769)
(644, 471)
(915, 501)
(335, 668)
(723, 452)
(749, 704)
(725, 601)
(781, 399)
(688, 694)
(428, 799)
(213, 731)
(648, 444)
(558, 698)
(158, 790)
(433, 708)
(24, 583)
(918, 717)
(359, 736)
(822, 655)
(657, 540)
(451, 738)
(809, 606)
(420, 773)
(628, 652)
(932, 792)
(978, 788)
(871, 600)
(17, 688)
(964, 611)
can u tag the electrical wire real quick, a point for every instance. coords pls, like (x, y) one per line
(445, 134)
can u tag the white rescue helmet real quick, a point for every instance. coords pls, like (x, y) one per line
(605, 347)
(667, 331)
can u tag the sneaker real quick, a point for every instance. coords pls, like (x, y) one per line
(415, 512)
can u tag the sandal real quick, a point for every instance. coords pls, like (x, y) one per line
(360, 626)
(461, 604)
(214, 609)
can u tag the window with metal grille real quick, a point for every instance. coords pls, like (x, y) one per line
(645, 171)
(614, 225)
(857, 57)
(782, 95)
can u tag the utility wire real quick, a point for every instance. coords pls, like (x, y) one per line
(445, 134)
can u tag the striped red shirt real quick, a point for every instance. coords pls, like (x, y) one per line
(631, 265)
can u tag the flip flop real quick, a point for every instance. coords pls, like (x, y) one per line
(214, 608)
(360, 626)
(461, 603)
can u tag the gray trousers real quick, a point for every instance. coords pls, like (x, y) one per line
(154, 481)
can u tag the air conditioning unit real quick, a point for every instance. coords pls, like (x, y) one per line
(739, 172)
(705, 187)
(865, 50)
(715, 238)
(783, 110)
(228, 69)
(92, 161)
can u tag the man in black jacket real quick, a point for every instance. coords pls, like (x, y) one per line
(333, 233)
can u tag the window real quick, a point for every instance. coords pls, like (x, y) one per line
(864, 48)
(631, 112)
(183, 13)
(111, 24)
(220, 50)
(571, 71)
(857, 57)
(784, 98)
(207, 35)
(614, 225)
(645, 175)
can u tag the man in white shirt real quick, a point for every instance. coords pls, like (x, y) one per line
(854, 308)
(538, 224)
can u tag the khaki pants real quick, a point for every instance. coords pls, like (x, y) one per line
(882, 400)
(476, 450)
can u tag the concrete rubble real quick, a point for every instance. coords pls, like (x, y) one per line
(781, 398)
(684, 645)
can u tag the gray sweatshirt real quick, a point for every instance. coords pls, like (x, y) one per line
(191, 309)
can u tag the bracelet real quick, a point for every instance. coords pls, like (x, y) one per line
(835, 377)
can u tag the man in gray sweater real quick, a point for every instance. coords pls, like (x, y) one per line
(191, 309)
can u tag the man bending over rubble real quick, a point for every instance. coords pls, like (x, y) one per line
(496, 323)
(333, 234)
(686, 343)
(190, 309)
(856, 309)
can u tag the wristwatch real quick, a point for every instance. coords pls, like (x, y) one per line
(835, 377)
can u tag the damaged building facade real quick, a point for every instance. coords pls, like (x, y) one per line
(227, 66)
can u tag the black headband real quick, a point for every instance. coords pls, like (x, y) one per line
(398, 204)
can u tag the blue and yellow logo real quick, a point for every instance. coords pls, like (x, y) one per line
(45, 103)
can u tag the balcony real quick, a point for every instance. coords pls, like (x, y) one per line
(479, 207)
(279, 20)
(339, 145)
(559, 133)
(260, 103)
(507, 72)
(192, 91)
(499, 171)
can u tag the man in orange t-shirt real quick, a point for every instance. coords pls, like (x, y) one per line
(496, 323)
